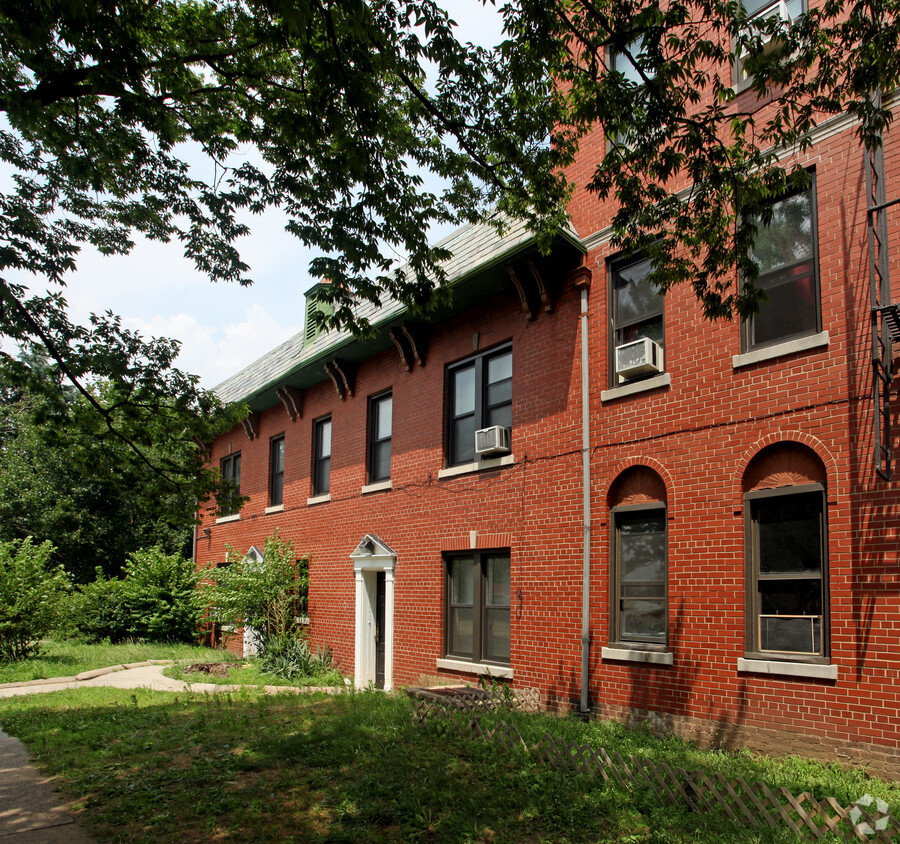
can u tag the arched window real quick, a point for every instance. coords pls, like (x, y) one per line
(786, 551)
(639, 559)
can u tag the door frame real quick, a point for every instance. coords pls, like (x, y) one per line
(371, 556)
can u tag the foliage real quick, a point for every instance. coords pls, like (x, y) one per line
(290, 656)
(71, 656)
(152, 766)
(156, 599)
(692, 154)
(266, 594)
(30, 595)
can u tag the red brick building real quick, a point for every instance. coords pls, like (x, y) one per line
(661, 519)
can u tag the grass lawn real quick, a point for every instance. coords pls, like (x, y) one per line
(158, 767)
(64, 659)
(248, 673)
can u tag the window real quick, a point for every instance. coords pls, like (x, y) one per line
(787, 563)
(276, 471)
(230, 468)
(640, 593)
(477, 607)
(480, 396)
(380, 425)
(764, 19)
(785, 249)
(637, 314)
(322, 456)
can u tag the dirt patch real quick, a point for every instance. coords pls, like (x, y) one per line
(217, 669)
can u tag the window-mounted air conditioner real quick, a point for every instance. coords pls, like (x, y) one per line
(641, 357)
(493, 440)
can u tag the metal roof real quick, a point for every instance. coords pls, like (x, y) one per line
(475, 249)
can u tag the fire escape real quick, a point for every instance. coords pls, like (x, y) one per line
(884, 314)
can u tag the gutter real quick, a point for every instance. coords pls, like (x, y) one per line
(586, 506)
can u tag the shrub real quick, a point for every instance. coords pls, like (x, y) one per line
(30, 595)
(265, 594)
(100, 610)
(289, 655)
(155, 599)
(161, 596)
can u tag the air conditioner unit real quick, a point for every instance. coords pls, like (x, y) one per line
(493, 440)
(640, 357)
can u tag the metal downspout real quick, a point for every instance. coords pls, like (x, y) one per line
(586, 505)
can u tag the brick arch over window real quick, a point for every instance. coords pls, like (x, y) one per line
(637, 485)
(654, 467)
(784, 459)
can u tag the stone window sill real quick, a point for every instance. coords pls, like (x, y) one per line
(813, 670)
(481, 668)
(318, 499)
(634, 655)
(779, 350)
(381, 486)
(278, 508)
(479, 466)
(234, 517)
(654, 383)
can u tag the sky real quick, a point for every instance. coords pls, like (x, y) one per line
(222, 327)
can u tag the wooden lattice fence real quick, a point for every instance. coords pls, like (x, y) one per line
(757, 805)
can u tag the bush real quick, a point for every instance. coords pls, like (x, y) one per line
(30, 596)
(100, 610)
(266, 595)
(290, 656)
(161, 596)
(155, 599)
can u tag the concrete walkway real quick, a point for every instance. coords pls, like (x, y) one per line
(31, 811)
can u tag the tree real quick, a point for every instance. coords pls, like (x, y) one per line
(84, 491)
(333, 104)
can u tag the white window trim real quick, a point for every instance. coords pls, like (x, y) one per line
(234, 517)
(815, 671)
(504, 672)
(478, 466)
(636, 655)
(318, 499)
(642, 386)
(278, 508)
(789, 347)
(379, 487)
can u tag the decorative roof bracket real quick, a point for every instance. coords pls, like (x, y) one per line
(342, 374)
(292, 399)
(411, 340)
(523, 296)
(546, 301)
(251, 426)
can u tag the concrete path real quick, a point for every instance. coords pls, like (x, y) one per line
(31, 812)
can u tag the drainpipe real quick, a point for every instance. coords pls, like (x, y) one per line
(586, 504)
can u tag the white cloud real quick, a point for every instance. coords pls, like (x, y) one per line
(216, 351)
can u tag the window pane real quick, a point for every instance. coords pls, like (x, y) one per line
(642, 550)
(325, 438)
(499, 416)
(381, 461)
(323, 475)
(499, 368)
(642, 619)
(791, 597)
(463, 445)
(794, 635)
(496, 634)
(790, 536)
(277, 496)
(464, 391)
(652, 328)
(278, 455)
(497, 581)
(462, 587)
(791, 307)
(383, 417)
(625, 66)
(634, 296)
(788, 236)
(461, 631)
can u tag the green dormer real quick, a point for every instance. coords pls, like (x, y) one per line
(315, 305)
